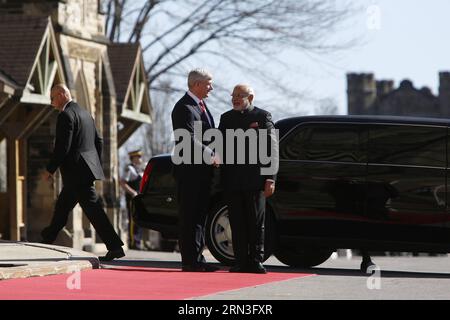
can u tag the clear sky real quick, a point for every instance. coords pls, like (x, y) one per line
(404, 39)
(409, 39)
(399, 39)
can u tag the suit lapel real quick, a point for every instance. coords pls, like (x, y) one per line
(192, 106)
(210, 117)
(190, 103)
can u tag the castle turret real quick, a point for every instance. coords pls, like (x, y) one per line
(361, 93)
(444, 94)
(384, 87)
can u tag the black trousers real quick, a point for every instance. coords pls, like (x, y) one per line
(87, 197)
(193, 202)
(247, 214)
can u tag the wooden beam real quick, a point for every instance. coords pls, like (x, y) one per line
(34, 98)
(7, 110)
(138, 105)
(34, 120)
(136, 116)
(15, 129)
(4, 98)
(126, 132)
(16, 186)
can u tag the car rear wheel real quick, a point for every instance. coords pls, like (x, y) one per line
(303, 258)
(219, 237)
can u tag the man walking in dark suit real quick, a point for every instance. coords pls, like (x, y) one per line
(194, 179)
(77, 154)
(245, 185)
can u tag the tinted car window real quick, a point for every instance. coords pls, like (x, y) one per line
(407, 145)
(161, 177)
(326, 142)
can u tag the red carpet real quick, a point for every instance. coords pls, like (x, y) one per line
(133, 283)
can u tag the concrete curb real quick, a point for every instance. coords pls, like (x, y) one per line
(46, 269)
(24, 260)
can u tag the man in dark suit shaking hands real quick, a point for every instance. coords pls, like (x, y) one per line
(194, 179)
(246, 185)
(77, 153)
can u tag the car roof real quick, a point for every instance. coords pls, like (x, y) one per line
(284, 125)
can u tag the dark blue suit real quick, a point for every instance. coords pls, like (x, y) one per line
(193, 184)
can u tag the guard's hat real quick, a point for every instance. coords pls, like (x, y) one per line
(135, 153)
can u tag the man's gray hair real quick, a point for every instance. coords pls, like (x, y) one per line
(198, 75)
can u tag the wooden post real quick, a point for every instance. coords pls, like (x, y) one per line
(16, 186)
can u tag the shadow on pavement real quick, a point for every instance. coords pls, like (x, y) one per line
(170, 266)
(176, 266)
(358, 273)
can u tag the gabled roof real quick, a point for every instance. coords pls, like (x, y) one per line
(122, 58)
(20, 39)
(130, 82)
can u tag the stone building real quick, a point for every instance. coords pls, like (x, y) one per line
(366, 95)
(43, 43)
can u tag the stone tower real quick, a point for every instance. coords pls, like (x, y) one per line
(361, 92)
(444, 93)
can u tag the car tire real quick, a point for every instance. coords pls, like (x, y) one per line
(218, 235)
(302, 258)
(219, 238)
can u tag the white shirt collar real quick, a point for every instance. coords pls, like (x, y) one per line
(66, 104)
(193, 96)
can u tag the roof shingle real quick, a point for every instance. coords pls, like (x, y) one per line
(122, 57)
(20, 38)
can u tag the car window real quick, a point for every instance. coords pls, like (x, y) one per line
(326, 142)
(407, 145)
(161, 177)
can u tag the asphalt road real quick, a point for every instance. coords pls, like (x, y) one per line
(398, 278)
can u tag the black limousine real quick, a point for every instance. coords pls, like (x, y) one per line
(376, 183)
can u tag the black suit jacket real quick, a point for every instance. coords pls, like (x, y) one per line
(185, 113)
(245, 176)
(78, 147)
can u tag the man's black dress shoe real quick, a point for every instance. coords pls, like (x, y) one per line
(209, 268)
(203, 267)
(237, 268)
(192, 268)
(256, 267)
(113, 254)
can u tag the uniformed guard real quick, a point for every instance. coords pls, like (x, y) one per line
(130, 182)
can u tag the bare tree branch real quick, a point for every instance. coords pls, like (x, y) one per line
(117, 19)
(244, 35)
(142, 20)
(176, 27)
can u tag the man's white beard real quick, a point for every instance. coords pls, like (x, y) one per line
(244, 107)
